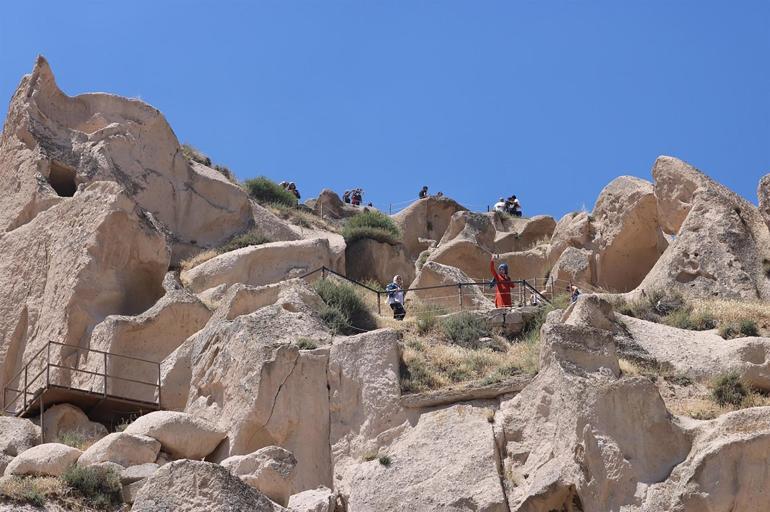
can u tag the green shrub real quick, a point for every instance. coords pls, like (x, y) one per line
(385, 460)
(306, 344)
(345, 312)
(266, 191)
(464, 329)
(196, 155)
(422, 259)
(427, 317)
(748, 328)
(728, 331)
(371, 224)
(685, 318)
(729, 390)
(417, 376)
(100, 487)
(72, 438)
(252, 237)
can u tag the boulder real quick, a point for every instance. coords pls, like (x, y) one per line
(722, 242)
(531, 265)
(247, 376)
(516, 234)
(364, 392)
(436, 274)
(182, 435)
(763, 194)
(425, 219)
(52, 144)
(48, 459)
(367, 259)
(321, 499)
(447, 462)
(269, 470)
(574, 267)
(139, 472)
(130, 491)
(121, 448)
(474, 227)
(17, 435)
(572, 230)
(62, 419)
(591, 311)
(628, 239)
(580, 438)
(150, 336)
(87, 257)
(259, 265)
(195, 486)
(329, 205)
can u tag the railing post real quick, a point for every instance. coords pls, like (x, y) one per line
(460, 295)
(159, 402)
(323, 272)
(48, 368)
(105, 373)
(379, 304)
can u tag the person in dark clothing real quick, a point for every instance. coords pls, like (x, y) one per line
(293, 189)
(346, 197)
(395, 293)
(356, 197)
(424, 192)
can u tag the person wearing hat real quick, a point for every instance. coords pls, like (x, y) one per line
(503, 284)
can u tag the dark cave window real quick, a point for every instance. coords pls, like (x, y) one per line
(62, 180)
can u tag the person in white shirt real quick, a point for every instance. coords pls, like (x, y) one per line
(500, 205)
(395, 291)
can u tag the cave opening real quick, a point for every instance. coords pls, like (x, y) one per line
(62, 179)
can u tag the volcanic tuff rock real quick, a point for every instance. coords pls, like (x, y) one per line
(53, 143)
(370, 259)
(181, 435)
(269, 470)
(426, 219)
(121, 448)
(48, 459)
(62, 419)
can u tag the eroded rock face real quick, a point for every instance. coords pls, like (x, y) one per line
(436, 274)
(53, 143)
(88, 257)
(380, 261)
(516, 234)
(446, 462)
(16, 435)
(321, 499)
(269, 470)
(425, 219)
(194, 486)
(721, 239)
(329, 205)
(763, 194)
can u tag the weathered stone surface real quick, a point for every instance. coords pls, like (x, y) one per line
(629, 239)
(321, 499)
(64, 419)
(48, 459)
(52, 143)
(151, 336)
(436, 274)
(121, 448)
(425, 219)
(194, 486)
(446, 462)
(17, 435)
(763, 194)
(591, 311)
(369, 259)
(516, 234)
(89, 256)
(181, 435)
(329, 205)
(721, 240)
(131, 490)
(572, 230)
(269, 470)
(263, 264)
(475, 227)
(133, 474)
(574, 267)
(247, 376)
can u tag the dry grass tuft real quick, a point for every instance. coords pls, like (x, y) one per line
(33, 490)
(199, 258)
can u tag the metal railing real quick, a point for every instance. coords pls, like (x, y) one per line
(525, 289)
(28, 388)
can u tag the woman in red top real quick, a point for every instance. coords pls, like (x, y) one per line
(503, 283)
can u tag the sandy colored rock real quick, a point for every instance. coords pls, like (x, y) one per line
(575, 267)
(263, 264)
(269, 470)
(121, 448)
(133, 474)
(321, 499)
(572, 230)
(17, 435)
(475, 227)
(151, 336)
(53, 143)
(446, 462)
(48, 459)
(181, 435)
(591, 311)
(329, 205)
(247, 376)
(516, 234)
(89, 256)
(368, 259)
(721, 242)
(195, 486)
(63, 419)
(436, 274)
(425, 219)
(763, 195)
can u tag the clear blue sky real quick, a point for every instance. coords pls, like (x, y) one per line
(546, 99)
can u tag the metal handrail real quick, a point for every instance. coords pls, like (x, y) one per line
(24, 390)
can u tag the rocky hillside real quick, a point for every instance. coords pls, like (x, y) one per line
(279, 386)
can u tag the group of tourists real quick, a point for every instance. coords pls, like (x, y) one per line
(354, 197)
(511, 206)
(291, 187)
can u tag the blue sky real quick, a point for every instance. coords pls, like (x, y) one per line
(549, 100)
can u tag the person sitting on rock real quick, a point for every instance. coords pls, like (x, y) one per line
(346, 197)
(424, 192)
(395, 293)
(293, 189)
(513, 206)
(500, 205)
(503, 284)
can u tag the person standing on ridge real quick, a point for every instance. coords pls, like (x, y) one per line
(503, 284)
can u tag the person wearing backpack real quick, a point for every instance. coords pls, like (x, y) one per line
(395, 291)
(502, 282)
